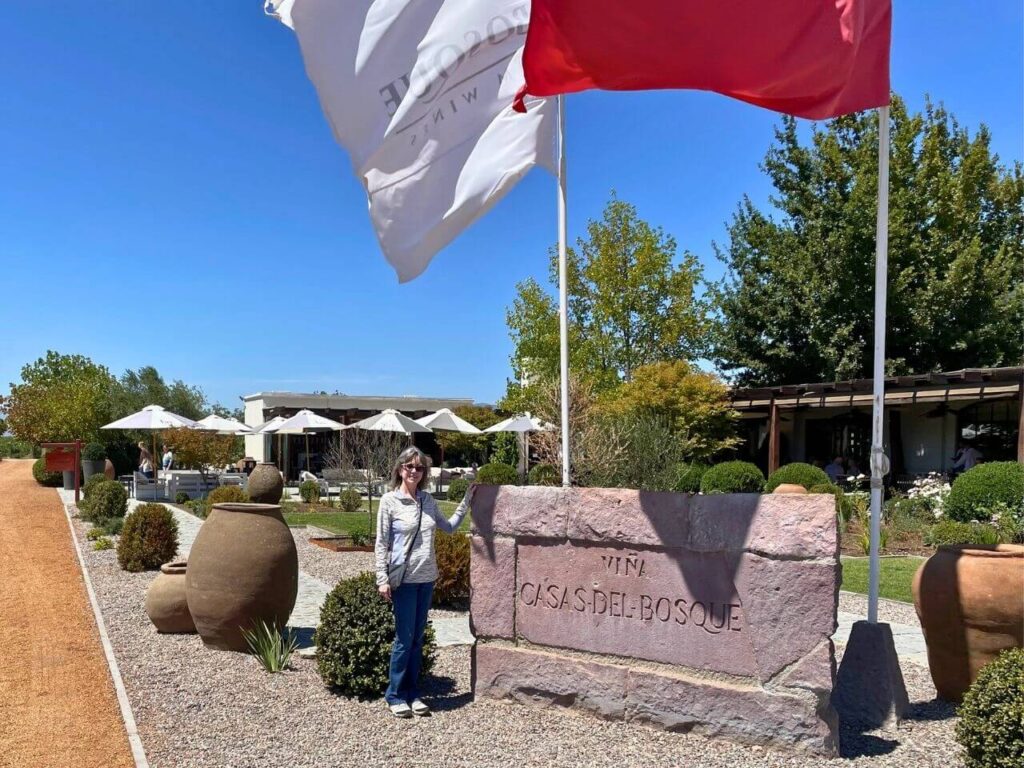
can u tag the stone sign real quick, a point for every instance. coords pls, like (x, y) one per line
(705, 613)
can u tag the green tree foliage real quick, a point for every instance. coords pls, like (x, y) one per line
(461, 449)
(60, 398)
(631, 302)
(796, 304)
(147, 387)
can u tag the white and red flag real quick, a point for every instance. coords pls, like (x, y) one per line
(419, 93)
(809, 58)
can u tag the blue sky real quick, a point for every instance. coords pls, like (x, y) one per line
(170, 195)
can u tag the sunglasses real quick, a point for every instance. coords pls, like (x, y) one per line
(413, 467)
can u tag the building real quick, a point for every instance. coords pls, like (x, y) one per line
(925, 418)
(346, 409)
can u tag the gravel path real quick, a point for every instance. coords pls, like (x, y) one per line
(197, 707)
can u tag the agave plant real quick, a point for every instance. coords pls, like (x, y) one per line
(272, 647)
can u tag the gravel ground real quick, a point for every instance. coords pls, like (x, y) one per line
(197, 707)
(891, 611)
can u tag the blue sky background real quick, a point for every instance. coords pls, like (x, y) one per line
(170, 195)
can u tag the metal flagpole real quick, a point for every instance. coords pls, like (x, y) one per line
(879, 462)
(563, 293)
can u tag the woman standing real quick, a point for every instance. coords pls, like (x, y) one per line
(145, 461)
(406, 520)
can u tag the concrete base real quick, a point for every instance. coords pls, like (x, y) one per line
(870, 692)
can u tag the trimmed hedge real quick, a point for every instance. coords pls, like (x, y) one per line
(49, 479)
(796, 473)
(354, 638)
(457, 489)
(545, 474)
(688, 476)
(149, 538)
(452, 585)
(990, 728)
(980, 488)
(733, 477)
(496, 473)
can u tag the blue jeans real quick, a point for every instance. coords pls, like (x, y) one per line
(410, 603)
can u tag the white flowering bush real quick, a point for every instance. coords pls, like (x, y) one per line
(933, 489)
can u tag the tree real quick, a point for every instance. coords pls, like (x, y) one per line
(199, 449)
(366, 455)
(797, 303)
(460, 448)
(60, 398)
(146, 386)
(631, 302)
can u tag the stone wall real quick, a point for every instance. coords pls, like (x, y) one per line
(705, 613)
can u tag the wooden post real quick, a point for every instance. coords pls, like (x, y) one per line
(78, 468)
(773, 438)
(1020, 426)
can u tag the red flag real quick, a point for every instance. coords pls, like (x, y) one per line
(809, 58)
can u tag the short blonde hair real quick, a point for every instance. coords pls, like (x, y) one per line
(410, 453)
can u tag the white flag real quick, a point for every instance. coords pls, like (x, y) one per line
(420, 94)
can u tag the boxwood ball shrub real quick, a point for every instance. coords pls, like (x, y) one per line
(350, 500)
(688, 476)
(452, 585)
(106, 500)
(225, 494)
(457, 489)
(796, 473)
(94, 452)
(49, 479)
(733, 477)
(354, 638)
(991, 726)
(149, 538)
(92, 483)
(496, 473)
(309, 491)
(545, 474)
(979, 488)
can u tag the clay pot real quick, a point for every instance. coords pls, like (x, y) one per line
(789, 488)
(166, 605)
(108, 469)
(265, 484)
(969, 600)
(243, 569)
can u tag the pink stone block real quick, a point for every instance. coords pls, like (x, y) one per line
(814, 672)
(509, 510)
(492, 587)
(619, 515)
(545, 679)
(673, 607)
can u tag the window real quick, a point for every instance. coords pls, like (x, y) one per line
(991, 427)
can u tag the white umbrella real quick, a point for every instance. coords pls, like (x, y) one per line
(269, 428)
(390, 420)
(304, 422)
(153, 418)
(522, 423)
(223, 426)
(446, 421)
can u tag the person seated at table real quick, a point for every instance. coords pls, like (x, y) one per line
(145, 461)
(835, 470)
(167, 462)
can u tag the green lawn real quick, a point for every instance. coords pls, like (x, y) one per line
(340, 522)
(897, 573)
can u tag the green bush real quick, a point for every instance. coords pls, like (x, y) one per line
(991, 725)
(457, 489)
(354, 638)
(796, 473)
(350, 500)
(94, 533)
(733, 477)
(93, 482)
(844, 502)
(545, 474)
(977, 490)
(102, 543)
(49, 479)
(225, 494)
(148, 540)
(452, 585)
(106, 500)
(919, 508)
(181, 497)
(13, 448)
(359, 532)
(497, 474)
(112, 526)
(197, 507)
(688, 476)
(956, 532)
(309, 491)
(94, 452)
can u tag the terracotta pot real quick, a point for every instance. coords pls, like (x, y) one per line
(243, 568)
(166, 604)
(789, 488)
(265, 484)
(108, 469)
(970, 600)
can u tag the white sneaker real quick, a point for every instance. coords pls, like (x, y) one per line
(401, 709)
(419, 707)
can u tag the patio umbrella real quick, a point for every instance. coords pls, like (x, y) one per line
(223, 426)
(153, 418)
(522, 424)
(304, 422)
(391, 420)
(269, 428)
(446, 421)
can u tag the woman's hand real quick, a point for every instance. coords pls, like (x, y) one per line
(469, 494)
(385, 591)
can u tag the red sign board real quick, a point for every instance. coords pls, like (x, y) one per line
(59, 461)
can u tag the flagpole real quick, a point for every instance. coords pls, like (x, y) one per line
(563, 293)
(879, 462)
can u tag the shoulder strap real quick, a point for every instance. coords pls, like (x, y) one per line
(419, 522)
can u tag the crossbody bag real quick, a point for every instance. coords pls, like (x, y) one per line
(396, 571)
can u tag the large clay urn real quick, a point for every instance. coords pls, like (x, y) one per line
(265, 485)
(243, 569)
(789, 488)
(166, 604)
(970, 600)
(108, 469)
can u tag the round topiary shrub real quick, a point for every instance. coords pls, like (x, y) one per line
(796, 473)
(457, 489)
(224, 494)
(105, 500)
(49, 479)
(496, 473)
(688, 477)
(149, 538)
(733, 477)
(93, 482)
(309, 491)
(354, 639)
(977, 490)
(545, 474)
(181, 497)
(94, 452)
(990, 728)
(350, 500)
(452, 585)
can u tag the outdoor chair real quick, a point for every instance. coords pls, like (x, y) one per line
(144, 488)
